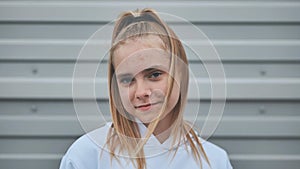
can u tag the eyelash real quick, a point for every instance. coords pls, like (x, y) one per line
(126, 80)
(156, 75)
(153, 76)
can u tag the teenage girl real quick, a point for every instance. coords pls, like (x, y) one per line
(148, 84)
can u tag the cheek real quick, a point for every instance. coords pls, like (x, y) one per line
(126, 96)
(175, 90)
(175, 93)
(163, 86)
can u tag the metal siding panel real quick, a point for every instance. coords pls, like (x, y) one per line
(229, 50)
(61, 88)
(219, 31)
(35, 145)
(195, 11)
(245, 108)
(237, 126)
(34, 162)
(198, 69)
(258, 162)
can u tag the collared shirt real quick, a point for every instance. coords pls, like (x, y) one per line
(90, 152)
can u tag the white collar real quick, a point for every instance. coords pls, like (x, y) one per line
(153, 146)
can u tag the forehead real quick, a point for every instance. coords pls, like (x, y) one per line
(141, 53)
(137, 44)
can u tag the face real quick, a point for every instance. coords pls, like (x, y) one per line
(141, 69)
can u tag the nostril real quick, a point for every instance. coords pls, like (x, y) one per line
(143, 95)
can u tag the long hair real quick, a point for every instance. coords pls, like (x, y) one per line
(135, 24)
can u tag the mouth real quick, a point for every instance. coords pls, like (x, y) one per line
(145, 107)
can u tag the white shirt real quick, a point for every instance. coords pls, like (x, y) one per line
(87, 153)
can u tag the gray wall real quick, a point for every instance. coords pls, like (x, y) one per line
(258, 42)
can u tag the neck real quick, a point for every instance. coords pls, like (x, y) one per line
(163, 129)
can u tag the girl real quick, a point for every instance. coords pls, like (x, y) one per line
(148, 83)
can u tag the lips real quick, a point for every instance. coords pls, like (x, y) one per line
(145, 107)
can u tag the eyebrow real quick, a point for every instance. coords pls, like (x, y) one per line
(124, 75)
(152, 68)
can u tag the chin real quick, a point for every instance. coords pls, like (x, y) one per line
(147, 120)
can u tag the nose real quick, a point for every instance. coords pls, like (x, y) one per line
(142, 91)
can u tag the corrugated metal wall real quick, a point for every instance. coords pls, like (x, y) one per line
(258, 42)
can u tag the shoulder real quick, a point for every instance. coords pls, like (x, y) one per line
(84, 152)
(217, 156)
(213, 148)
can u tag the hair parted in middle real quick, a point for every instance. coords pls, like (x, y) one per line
(124, 134)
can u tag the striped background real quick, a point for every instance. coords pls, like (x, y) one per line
(258, 42)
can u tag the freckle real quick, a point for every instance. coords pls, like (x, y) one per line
(141, 58)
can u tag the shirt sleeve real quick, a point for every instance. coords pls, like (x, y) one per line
(228, 164)
(67, 164)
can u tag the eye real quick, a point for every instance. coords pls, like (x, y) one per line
(126, 80)
(155, 75)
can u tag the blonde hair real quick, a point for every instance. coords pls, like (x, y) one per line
(131, 25)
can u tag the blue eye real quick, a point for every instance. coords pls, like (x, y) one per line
(126, 80)
(155, 75)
